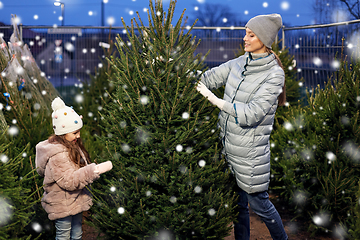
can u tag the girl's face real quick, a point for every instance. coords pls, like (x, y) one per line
(73, 136)
(253, 43)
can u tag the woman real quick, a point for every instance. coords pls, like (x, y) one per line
(254, 87)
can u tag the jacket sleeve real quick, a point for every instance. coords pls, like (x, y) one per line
(252, 113)
(67, 176)
(217, 76)
(41, 158)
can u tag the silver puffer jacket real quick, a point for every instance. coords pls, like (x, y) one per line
(251, 91)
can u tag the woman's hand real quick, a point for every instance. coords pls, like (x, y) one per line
(201, 88)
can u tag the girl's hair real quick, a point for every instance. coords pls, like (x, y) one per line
(74, 152)
(282, 96)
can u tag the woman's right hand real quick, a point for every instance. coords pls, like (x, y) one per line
(201, 88)
(103, 167)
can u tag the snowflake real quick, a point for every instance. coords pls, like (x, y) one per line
(202, 163)
(37, 106)
(211, 212)
(285, 5)
(125, 147)
(185, 115)
(4, 158)
(288, 126)
(111, 20)
(179, 148)
(13, 131)
(5, 211)
(173, 199)
(331, 156)
(121, 210)
(197, 189)
(36, 227)
(321, 219)
(144, 99)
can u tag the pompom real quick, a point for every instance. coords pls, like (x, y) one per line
(57, 104)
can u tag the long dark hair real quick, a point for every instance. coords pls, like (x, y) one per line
(282, 96)
(74, 152)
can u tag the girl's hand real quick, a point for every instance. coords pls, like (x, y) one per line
(103, 167)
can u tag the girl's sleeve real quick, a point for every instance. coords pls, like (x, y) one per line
(253, 113)
(217, 76)
(67, 176)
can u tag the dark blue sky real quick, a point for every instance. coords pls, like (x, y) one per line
(88, 12)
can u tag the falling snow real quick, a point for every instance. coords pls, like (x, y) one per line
(36, 227)
(179, 148)
(125, 148)
(299, 197)
(4, 158)
(352, 150)
(330, 156)
(285, 5)
(288, 126)
(6, 210)
(79, 98)
(121, 210)
(185, 115)
(173, 199)
(144, 99)
(13, 131)
(317, 61)
(197, 189)
(321, 219)
(211, 212)
(111, 20)
(202, 163)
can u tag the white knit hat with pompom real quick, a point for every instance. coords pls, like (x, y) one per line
(64, 118)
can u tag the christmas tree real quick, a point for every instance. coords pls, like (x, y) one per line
(25, 120)
(91, 98)
(315, 152)
(169, 180)
(16, 207)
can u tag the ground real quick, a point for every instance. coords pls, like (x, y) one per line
(258, 229)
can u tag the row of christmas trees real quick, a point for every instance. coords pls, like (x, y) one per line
(25, 120)
(169, 177)
(315, 142)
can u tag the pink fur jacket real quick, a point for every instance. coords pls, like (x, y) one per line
(64, 182)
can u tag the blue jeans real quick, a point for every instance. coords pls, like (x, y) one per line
(69, 227)
(261, 205)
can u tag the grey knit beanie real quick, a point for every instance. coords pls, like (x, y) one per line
(265, 27)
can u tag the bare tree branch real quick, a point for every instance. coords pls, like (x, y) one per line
(211, 15)
(351, 7)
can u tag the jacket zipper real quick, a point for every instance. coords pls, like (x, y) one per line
(232, 101)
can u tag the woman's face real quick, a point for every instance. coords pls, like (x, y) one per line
(253, 43)
(73, 136)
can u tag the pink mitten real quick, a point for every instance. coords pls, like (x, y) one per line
(103, 167)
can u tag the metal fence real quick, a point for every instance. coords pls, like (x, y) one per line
(317, 49)
(69, 55)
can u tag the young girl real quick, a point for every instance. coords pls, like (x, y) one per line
(65, 165)
(254, 87)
